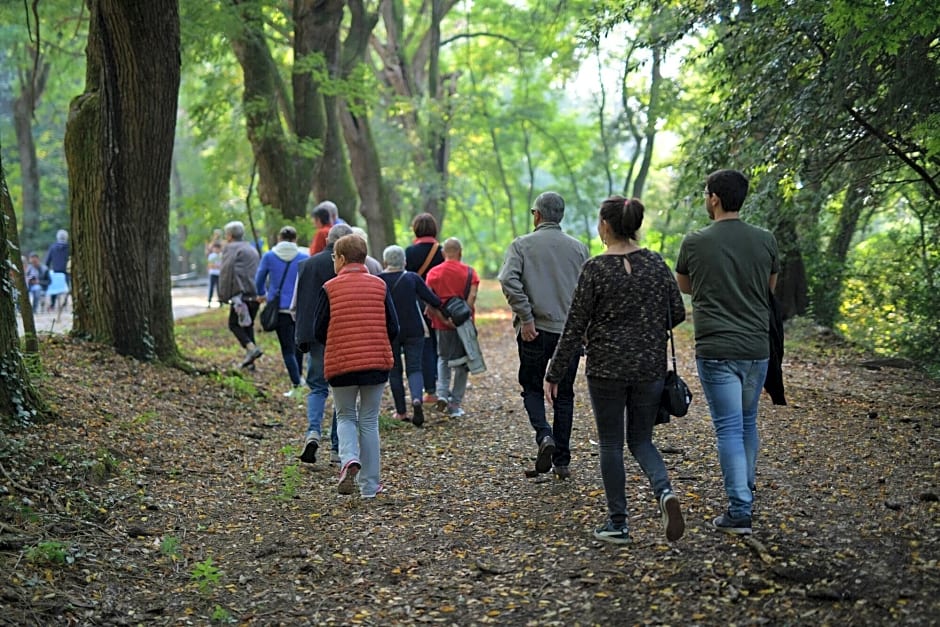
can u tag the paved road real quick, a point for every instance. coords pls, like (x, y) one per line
(187, 301)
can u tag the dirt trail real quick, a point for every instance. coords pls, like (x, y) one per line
(179, 500)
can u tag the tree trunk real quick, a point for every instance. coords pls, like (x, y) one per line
(118, 145)
(652, 117)
(791, 283)
(32, 85)
(367, 172)
(19, 400)
(363, 155)
(828, 293)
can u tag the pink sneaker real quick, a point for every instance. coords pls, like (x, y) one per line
(429, 399)
(347, 477)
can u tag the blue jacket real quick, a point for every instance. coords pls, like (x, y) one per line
(283, 257)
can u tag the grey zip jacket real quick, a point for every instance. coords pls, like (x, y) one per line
(539, 275)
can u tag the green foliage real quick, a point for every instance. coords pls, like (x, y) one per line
(237, 383)
(50, 552)
(221, 615)
(206, 575)
(170, 547)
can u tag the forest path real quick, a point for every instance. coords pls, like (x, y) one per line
(179, 499)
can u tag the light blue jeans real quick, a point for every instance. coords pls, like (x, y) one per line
(732, 388)
(358, 430)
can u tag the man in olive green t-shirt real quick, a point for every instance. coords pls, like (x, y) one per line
(727, 268)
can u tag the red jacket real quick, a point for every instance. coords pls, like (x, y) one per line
(357, 336)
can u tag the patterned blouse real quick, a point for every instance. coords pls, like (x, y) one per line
(621, 318)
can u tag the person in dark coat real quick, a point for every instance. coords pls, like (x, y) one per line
(407, 288)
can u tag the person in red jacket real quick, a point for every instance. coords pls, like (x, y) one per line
(449, 279)
(356, 322)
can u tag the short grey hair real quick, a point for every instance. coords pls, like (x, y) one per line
(62, 236)
(330, 206)
(551, 206)
(361, 232)
(394, 257)
(338, 231)
(236, 229)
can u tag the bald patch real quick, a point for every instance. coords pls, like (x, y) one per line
(452, 246)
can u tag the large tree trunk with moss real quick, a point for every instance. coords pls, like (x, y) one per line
(293, 132)
(316, 36)
(19, 400)
(119, 145)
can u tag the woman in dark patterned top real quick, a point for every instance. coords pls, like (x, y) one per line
(619, 313)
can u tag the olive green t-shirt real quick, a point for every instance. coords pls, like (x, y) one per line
(729, 264)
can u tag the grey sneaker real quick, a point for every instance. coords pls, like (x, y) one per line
(440, 404)
(334, 457)
(251, 356)
(673, 523)
(615, 534)
(562, 472)
(311, 444)
(734, 526)
(543, 463)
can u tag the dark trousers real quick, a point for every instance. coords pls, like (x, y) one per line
(244, 335)
(213, 285)
(533, 361)
(429, 361)
(285, 337)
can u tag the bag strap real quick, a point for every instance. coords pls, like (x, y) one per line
(283, 276)
(427, 262)
(672, 343)
(466, 290)
(392, 291)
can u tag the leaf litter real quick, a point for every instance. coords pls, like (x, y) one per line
(179, 499)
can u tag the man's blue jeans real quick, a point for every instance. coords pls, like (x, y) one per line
(732, 388)
(533, 361)
(319, 391)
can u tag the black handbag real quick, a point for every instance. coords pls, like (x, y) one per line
(272, 307)
(676, 396)
(457, 308)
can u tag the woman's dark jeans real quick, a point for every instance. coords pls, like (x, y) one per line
(618, 404)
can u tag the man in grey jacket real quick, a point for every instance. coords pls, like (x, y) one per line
(538, 277)
(237, 286)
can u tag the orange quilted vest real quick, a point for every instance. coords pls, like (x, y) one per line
(357, 338)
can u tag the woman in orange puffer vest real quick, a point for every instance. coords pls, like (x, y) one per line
(356, 322)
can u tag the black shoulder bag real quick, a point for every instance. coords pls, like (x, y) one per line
(676, 396)
(457, 308)
(273, 306)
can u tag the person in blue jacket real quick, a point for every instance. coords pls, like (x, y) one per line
(278, 270)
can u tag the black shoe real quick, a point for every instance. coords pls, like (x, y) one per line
(673, 524)
(735, 526)
(543, 463)
(615, 534)
(562, 472)
(418, 414)
(309, 456)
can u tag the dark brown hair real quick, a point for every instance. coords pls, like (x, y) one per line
(624, 215)
(424, 225)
